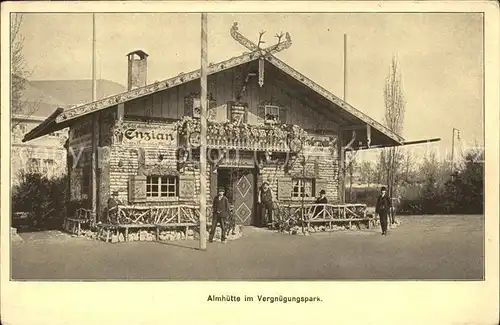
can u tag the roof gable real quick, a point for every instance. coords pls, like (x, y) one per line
(66, 115)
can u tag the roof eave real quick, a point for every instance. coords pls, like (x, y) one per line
(332, 98)
(44, 128)
(81, 110)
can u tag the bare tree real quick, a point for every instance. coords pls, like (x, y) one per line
(19, 69)
(367, 173)
(351, 168)
(407, 173)
(394, 117)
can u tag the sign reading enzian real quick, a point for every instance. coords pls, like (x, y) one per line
(151, 135)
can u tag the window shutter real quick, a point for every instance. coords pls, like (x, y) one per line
(137, 189)
(188, 106)
(284, 188)
(282, 115)
(261, 113)
(245, 116)
(213, 182)
(212, 110)
(322, 184)
(316, 168)
(228, 113)
(186, 187)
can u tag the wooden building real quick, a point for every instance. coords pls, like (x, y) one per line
(267, 122)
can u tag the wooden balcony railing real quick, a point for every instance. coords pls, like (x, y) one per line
(243, 136)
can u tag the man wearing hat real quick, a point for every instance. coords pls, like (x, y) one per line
(220, 213)
(382, 209)
(265, 200)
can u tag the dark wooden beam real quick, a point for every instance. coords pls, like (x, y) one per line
(354, 127)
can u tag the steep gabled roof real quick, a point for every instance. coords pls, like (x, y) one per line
(65, 116)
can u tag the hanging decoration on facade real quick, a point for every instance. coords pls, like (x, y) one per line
(237, 111)
(182, 158)
(216, 157)
(243, 136)
(269, 51)
(261, 71)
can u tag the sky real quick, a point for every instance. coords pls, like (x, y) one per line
(440, 55)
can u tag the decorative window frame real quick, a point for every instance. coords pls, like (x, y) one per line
(159, 196)
(262, 112)
(276, 119)
(161, 171)
(192, 105)
(302, 188)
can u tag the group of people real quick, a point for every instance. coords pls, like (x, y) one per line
(266, 202)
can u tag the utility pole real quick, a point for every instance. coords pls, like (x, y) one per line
(342, 149)
(345, 67)
(453, 150)
(95, 128)
(203, 134)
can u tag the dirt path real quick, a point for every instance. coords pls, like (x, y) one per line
(428, 247)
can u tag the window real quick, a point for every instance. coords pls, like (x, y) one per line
(21, 128)
(303, 187)
(33, 165)
(48, 166)
(161, 186)
(272, 114)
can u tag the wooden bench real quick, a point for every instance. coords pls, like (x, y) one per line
(74, 225)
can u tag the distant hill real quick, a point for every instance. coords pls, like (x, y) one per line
(47, 95)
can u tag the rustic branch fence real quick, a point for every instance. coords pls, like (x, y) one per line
(186, 217)
(327, 214)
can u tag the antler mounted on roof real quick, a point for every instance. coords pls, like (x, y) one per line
(280, 46)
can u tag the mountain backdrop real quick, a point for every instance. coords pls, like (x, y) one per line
(42, 97)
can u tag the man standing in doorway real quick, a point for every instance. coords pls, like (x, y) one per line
(382, 209)
(265, 200)
(220, 211)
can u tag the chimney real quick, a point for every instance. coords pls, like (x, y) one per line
(137, 69)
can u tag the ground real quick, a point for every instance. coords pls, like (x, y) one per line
(423, 247)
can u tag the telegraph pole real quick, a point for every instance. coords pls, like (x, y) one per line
(203, 134)
(453, 150)
(345, 66)
(95, 128)
(342, 149)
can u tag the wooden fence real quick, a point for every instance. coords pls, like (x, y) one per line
(173, 215)
(324, 214)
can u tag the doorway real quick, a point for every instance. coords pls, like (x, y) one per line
(239, 186)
